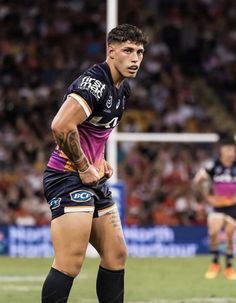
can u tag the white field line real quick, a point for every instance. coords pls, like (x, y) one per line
(190, 300)
(23, 278)
(21, 288)
(27, 288)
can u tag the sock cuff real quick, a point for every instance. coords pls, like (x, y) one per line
(55, 271)
(111, 271)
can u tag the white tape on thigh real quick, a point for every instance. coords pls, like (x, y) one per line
(76, 209)
(106, 210)
(216, 215)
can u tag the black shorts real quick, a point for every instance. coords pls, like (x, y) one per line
(65, 193)
(227, 210)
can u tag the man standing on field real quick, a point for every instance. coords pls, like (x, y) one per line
(75, 184)
(222, 174)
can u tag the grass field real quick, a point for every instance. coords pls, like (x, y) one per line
(153, 280)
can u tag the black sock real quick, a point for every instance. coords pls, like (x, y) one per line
(110, 285)
(215, 256)
(56, 287)
(228, 260)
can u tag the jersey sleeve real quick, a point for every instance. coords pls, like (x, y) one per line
(88, 91)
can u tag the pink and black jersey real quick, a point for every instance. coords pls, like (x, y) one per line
(103, 104)
(223, 180)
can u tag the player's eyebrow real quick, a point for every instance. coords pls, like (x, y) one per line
(133, 49)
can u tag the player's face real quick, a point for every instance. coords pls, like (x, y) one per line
(228, 152)
(126, 58)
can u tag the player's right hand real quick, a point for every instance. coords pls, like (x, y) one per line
(90, 176)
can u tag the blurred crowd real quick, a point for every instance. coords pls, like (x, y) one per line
(186, 83)
(158, 181)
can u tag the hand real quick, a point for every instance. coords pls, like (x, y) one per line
(108, 170)
(90, 176)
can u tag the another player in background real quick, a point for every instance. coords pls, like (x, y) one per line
(222, 174)
(75, 184)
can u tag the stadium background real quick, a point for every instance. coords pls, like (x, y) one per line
(186, 85)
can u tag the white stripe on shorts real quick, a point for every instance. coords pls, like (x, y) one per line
(76, 209)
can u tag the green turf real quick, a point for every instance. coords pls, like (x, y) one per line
(150, 280)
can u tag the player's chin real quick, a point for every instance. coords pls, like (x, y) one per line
(131, 74)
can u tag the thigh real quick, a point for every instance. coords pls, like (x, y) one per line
(215, 222)
(70, 237)
(230, 226)
(108, 239)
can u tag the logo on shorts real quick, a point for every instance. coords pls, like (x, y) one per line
(54, 203)
(80, 196)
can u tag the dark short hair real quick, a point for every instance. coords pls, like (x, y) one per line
(226, 139)
(127, 32)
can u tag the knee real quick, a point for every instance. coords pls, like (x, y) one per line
(213, 233)
(116, 259)
(121, 255)
(229, 238)
(70, 265)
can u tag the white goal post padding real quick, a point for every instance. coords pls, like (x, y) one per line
(152, 137)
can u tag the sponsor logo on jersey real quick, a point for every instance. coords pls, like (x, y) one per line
(118, 104)
(109, 102)
(96, 121)
(80, 196)
(92, 85)
(225, 178)
(54, 203)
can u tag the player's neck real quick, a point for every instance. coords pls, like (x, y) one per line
(116, 76)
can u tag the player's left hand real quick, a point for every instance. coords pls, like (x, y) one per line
(108, 170)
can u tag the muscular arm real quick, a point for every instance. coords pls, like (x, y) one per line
(199, 185)
(64, 128)
(200, 176)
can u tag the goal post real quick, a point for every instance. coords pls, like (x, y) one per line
(115, 137)
(112, 145)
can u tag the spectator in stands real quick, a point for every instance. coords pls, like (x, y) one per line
(39, 57)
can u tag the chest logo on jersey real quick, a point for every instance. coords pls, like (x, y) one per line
(109, 102)
(80, 196)
(94, 86)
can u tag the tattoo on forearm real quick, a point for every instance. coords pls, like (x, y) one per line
(70, 145)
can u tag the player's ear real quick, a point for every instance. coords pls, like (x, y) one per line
(110, 51)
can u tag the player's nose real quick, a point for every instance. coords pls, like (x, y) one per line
(134, 57)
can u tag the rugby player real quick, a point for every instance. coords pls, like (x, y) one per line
(75, 184)
(222, 175)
